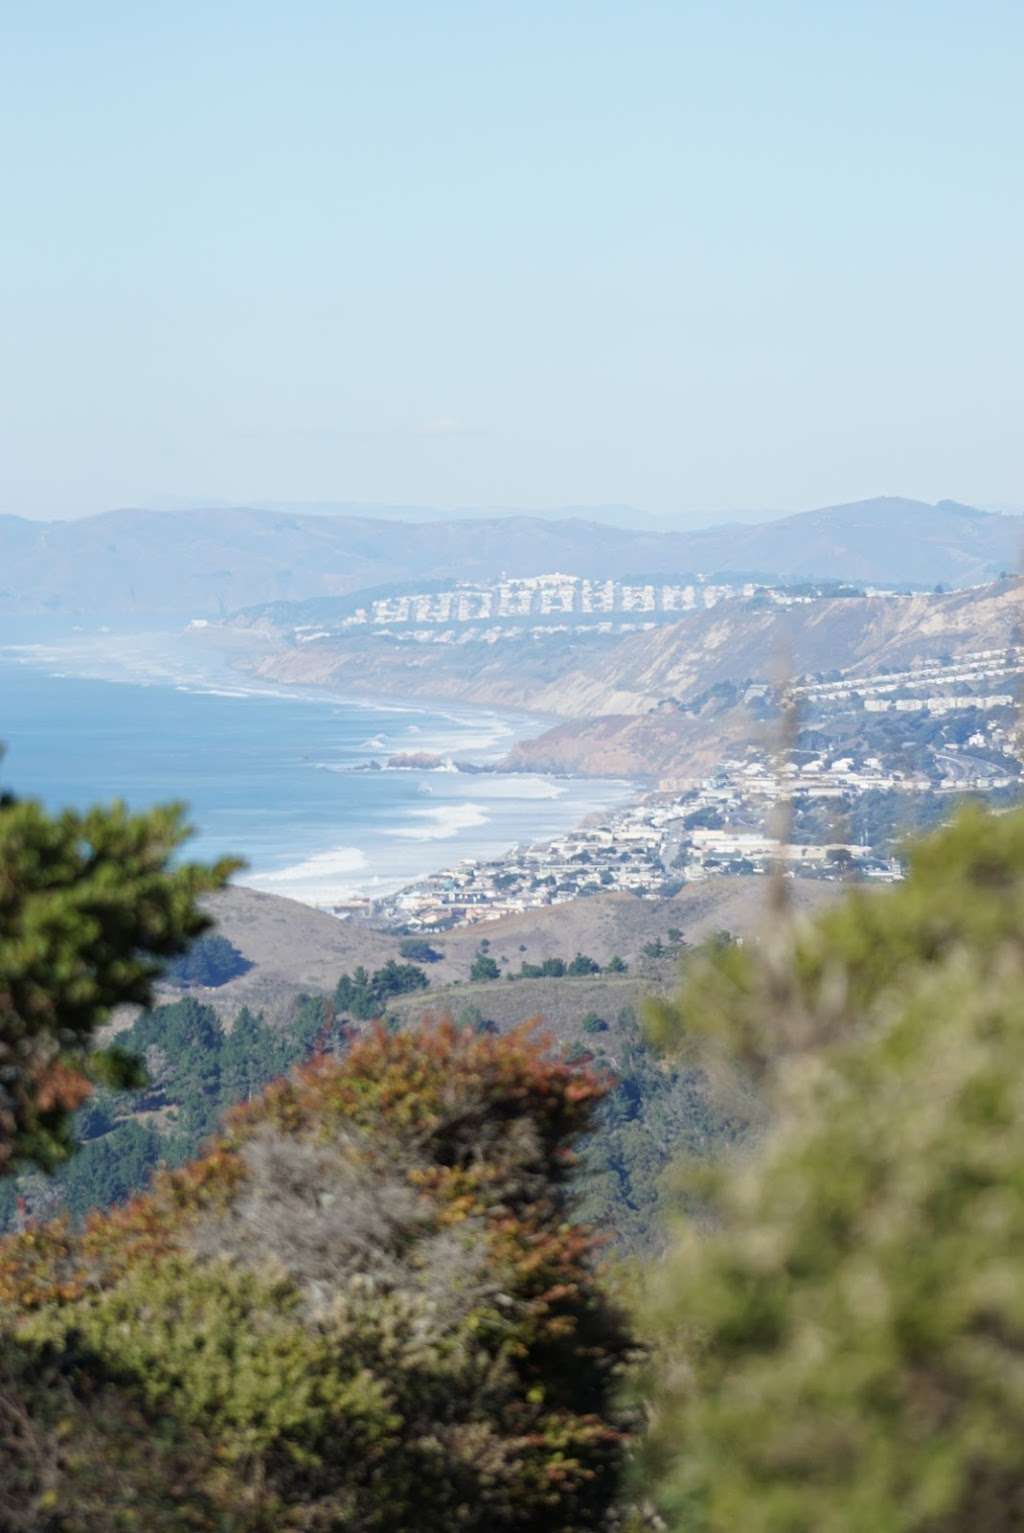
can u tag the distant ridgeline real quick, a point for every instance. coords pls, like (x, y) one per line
(198, 1068)
(139, 563)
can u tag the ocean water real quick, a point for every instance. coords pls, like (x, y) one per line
(270, 775)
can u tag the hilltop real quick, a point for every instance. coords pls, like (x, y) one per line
(888, 540)
(138, 564)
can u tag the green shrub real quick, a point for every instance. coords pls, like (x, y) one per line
(365, 996)
(419, 951)
(484, 968)
(82, 1452)
(840, 1347)
(583, 964)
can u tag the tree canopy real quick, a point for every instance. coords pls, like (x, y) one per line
(91, 907)
(365, 996)
(211, 960)
(370, 1304)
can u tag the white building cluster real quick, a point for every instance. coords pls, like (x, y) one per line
(726, 824)
(534, 599)
(985, 665)
(648, 849)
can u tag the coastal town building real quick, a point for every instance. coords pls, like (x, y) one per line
(956, 734)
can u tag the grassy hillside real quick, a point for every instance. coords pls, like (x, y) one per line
(558, 1005)
(206, 1048)
(293, 948)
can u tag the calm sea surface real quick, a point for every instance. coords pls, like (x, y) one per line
(269, 775)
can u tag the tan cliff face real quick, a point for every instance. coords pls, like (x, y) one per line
(677, 750)
(751, 642)
(621, 701)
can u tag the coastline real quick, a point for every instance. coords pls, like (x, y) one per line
(417, 820)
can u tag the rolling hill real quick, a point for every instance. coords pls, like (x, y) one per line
(888, 540)
(132, 566)
(294, 949)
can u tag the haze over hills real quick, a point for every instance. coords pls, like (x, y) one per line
(886, 540)
(127, 566)
(605, 515)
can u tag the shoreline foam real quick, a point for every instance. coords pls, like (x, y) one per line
(472, 814)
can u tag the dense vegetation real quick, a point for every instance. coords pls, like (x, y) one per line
(839, 1347)
(90, 911)
(363, 1308)
(195, 1069)
(655, 1111)
(197, 1066)
(371, 1302)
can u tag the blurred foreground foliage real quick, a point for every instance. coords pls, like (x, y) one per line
(90, 910)
(839, 1343)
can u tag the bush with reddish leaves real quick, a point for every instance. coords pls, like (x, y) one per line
(366, 1307)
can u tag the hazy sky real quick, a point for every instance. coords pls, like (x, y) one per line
(687, 256)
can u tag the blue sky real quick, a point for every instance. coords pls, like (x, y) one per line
(692, 257)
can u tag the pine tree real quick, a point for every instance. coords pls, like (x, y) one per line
(248, 1058)
(91, 908)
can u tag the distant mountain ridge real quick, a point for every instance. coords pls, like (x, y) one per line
(949, 543)
(145, 565)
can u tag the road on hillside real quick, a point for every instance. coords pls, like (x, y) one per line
(962, 767)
